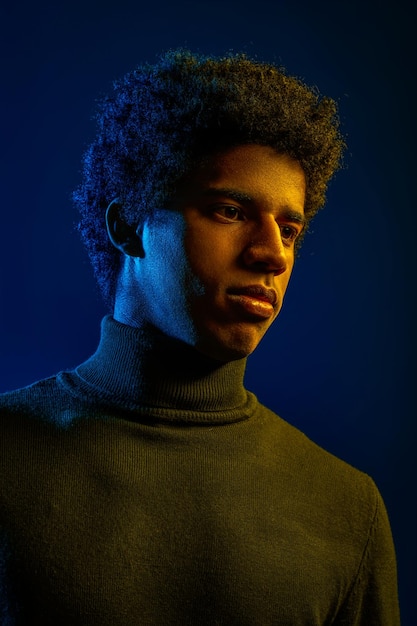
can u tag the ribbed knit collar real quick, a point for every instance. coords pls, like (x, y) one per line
(145, 371)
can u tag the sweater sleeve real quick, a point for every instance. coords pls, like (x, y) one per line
(5, 618)
(373, 598)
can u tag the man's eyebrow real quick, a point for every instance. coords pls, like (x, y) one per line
(294, 216)
(289, 214)
(234, 194)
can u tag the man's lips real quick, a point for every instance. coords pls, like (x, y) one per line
(254, 300)
(258, 292)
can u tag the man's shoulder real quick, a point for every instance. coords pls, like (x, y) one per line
(313, 465)
(38, 393)
(45, 400)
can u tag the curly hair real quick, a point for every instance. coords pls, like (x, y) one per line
(164, 118)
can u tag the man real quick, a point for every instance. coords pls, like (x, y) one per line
(147, 486)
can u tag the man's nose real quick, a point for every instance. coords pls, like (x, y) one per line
(265, 250)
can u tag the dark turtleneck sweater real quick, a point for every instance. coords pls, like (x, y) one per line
(148, 487)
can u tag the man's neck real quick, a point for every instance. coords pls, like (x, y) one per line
(144, 367)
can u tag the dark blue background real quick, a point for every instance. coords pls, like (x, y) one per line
(338, 363)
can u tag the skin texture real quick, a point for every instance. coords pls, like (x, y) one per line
(213, 270)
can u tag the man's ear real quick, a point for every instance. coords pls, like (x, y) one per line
(124, 237)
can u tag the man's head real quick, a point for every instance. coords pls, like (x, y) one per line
(164, 121)
(212, 269)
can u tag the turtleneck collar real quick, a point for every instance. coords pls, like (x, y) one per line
(147, 372)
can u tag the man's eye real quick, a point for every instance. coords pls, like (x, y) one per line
(229, 212)
(288, 233)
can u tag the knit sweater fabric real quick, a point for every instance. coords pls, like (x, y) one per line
(149, 487)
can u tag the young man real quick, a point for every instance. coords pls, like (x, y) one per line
(147, 486)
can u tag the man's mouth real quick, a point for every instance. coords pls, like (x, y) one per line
(256, 300)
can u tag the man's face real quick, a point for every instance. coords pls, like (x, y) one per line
(216, 267)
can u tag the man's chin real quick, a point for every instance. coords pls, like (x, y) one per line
(231, 349)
